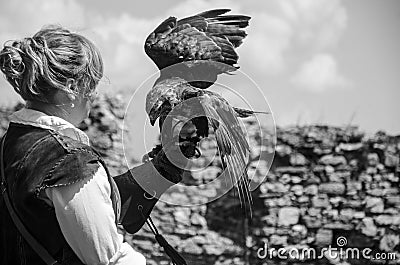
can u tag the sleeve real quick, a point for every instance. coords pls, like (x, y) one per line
(87, 220)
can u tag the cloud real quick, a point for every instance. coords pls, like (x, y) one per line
(26, 17)
(320, 74)
(316, 23)
(281, 28)
(278, 28)
(20, 19)
(120, 40)
(264, 49)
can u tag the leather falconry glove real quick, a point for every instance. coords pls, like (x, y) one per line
(171, 159)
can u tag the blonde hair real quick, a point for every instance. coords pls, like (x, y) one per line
(39, 66)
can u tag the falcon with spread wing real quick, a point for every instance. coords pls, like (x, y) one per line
(190, 54)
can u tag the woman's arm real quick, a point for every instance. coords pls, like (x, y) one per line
(140, 188)
(87, 220)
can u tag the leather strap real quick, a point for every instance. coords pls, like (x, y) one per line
(175, 257)
(35, 245)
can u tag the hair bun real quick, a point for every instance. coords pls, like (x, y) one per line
(40, 66)
(11, 61)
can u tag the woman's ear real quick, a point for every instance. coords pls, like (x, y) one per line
(71, 86)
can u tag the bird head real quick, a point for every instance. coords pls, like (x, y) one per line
(154, 101)
(153, 109)
(159, 108)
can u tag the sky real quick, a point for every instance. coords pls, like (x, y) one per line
(315, 61)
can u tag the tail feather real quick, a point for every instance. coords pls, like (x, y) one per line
(245, 113)
(225, 30)
(236, 40)
(196, 21)
(214, 12)
(232, 20)
(233, 34)
(227, 50)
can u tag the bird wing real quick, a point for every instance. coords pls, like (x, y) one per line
(215, 23)
(206, 36)
(231, 141)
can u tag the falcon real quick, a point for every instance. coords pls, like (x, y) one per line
(190, 54)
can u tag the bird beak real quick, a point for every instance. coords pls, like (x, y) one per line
(153, 117)
(154, 114)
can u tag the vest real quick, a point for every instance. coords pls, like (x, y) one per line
(36, 159)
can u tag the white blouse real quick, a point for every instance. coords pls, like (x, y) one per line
(84, 209)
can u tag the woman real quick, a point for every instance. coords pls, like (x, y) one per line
(56, 183)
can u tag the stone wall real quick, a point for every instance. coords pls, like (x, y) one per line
(325, 182)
